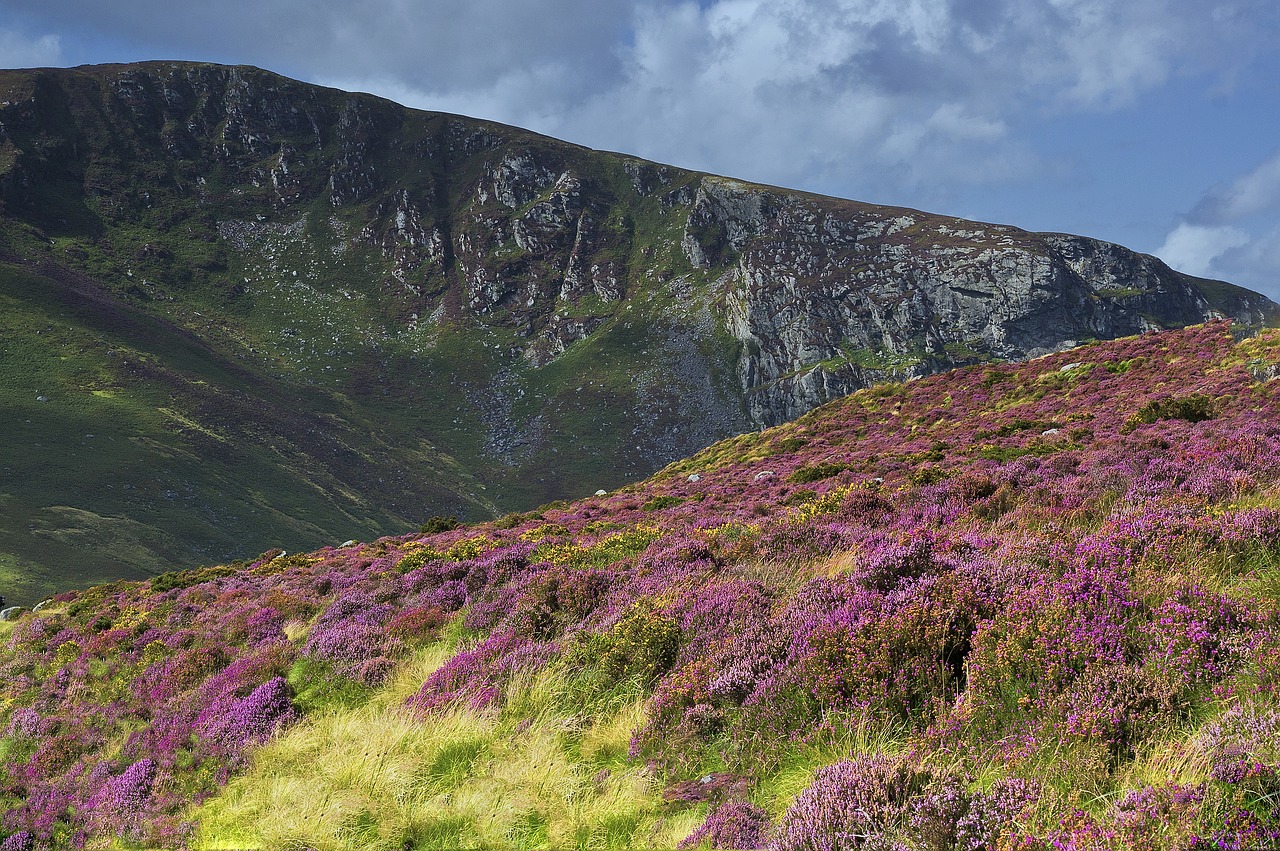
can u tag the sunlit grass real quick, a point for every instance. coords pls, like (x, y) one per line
(536, 775)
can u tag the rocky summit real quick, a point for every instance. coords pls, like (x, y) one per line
(242, 311)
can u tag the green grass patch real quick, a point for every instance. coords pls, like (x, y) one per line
(1193, 408)
(816, 472)
(658, 503)
(318, 687)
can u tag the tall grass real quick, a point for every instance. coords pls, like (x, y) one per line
(536, 774)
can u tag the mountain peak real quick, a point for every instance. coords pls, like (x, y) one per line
(311, 313)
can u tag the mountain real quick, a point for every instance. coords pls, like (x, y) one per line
(242, 312)
(1022, 606)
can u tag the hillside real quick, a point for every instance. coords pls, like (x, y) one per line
(1009, 606)
(238, 312)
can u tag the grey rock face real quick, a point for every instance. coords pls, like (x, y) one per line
(827, 297)
(758, 303)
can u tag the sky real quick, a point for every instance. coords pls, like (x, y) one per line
(1151, 123)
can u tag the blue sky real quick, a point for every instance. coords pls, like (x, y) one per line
(1152, 123)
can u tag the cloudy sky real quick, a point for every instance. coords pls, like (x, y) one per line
(1153, 123)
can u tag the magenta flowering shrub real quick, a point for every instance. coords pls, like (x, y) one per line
(25, 723)
(475, 677)
(1191, 632)
(733, 825)
(1240, 830)
(995, 816)
(708, 613)
(1158, 816)
(1244, 745)
(851, 804)
(350, 643)
(234, 723)
(22, 840)
(120, 803)
(881, 802)
(264, 625)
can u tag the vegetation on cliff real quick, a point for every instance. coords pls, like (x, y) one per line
(240, 312)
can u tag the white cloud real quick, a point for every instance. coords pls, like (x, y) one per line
(1232, 232)
(20, 51)
(953, 120)
(1194, 248)
(1258, 261)
(1253, 193)
(887, 98)
(1254, 263)
(917, 102)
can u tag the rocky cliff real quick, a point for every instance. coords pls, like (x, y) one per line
(411, 313)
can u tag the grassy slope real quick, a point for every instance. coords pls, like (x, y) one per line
(546, 680)
(543, 773)
(137, 448)
(550, 769)
(546, 766)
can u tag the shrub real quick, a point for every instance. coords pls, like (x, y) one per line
(416, 558)
(234, 724)
(643, 645)
(416, 626)
(849, 804)
(799, 496)
(733, 824)
(23, 840)
(928, 474)
(1194, 408)
(816, 472)
(475, 677)
(438, 524)
(186, 578)
(122, 800)
(511, 521)
(658, 503)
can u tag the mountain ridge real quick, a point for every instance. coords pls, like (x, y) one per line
(428, 314)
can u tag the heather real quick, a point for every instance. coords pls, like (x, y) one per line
(1008, 607)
